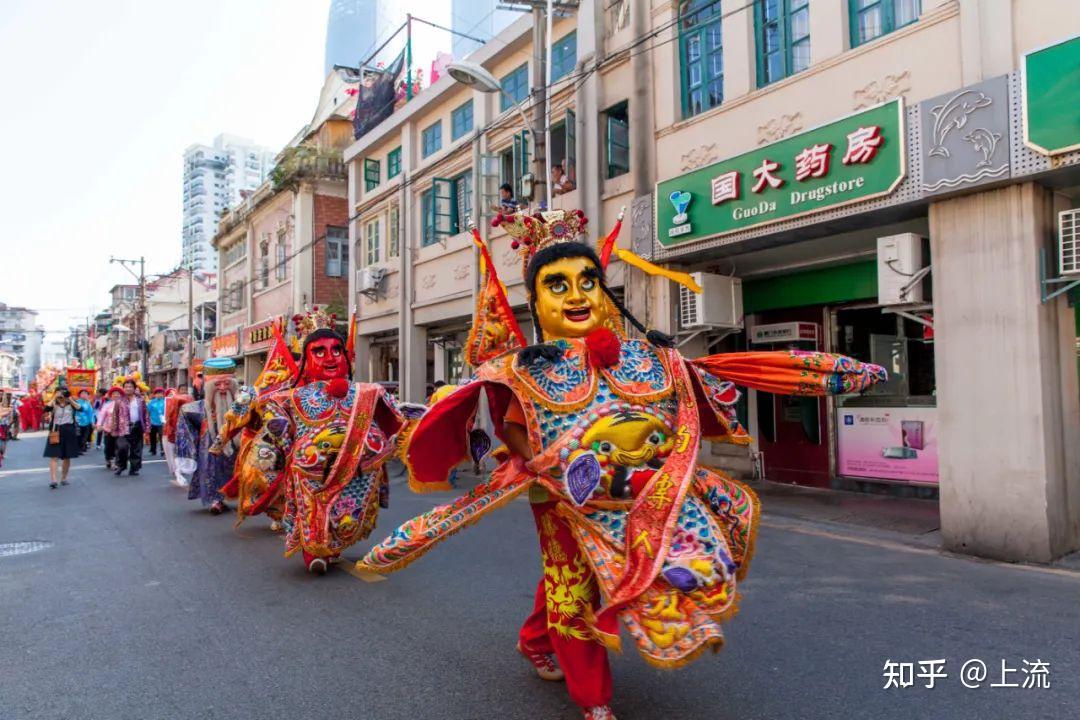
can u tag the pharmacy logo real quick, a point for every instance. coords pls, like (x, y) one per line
(680, 200)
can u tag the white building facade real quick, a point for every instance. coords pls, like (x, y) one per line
(215, 178)
(20, 337)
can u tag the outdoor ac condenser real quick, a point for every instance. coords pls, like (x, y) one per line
(718, 306)
(369, 278)
(1069, 241)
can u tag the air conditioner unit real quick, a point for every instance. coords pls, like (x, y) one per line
(899, 260)
(1069, 241)
(369, 278)
(719, 305)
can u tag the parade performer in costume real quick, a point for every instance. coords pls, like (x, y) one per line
(330, 437)
(200, 422)
(255, 490)
(603, 432)
(173, 402)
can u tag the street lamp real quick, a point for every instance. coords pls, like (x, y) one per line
(475, 76)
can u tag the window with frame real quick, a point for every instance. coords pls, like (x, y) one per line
(516, 86)
(393, 163)
(281, 266)
(337, 251)
(563, 56)
(461, 120)
(371, 243)
(871, 19)
(463, 193)
(372, 174)
(701, 56)
(514, 162)
(617, 145)
(782, 29)
(393, 232)
(431, 139)
(235, 252)
(264, 261)
(445, 207)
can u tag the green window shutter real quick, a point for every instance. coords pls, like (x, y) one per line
(461, 120)
(520, 161)
(782, 38)
(444, 207)
(563, 55)
(618, 141)
(701, 56)
(393, 163)
(570, 164)
(870, 19)
(427, 213)
(372, 174)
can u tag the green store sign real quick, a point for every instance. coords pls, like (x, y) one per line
(1052, 98)
(850, 160)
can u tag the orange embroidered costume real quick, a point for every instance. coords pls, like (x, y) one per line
(257, 491)
(604, 433)
(328, 439)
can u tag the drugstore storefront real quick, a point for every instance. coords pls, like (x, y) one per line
(884, 436)
(827, 233)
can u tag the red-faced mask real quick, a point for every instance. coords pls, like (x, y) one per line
(324, 359)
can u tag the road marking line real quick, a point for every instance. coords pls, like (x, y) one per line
(901, 547)
(27, 471)
(349, 566)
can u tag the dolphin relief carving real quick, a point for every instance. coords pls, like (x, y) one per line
(985, 142)
(953, 115)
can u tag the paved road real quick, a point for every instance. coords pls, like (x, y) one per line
(145, 607)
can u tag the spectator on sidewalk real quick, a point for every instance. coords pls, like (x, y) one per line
(62, 442)
(127, 423)
(84, 419)
(156, 407)
(99, 401)
(104, 415)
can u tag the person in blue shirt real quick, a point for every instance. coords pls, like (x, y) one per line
(84, 419)
(156, 408)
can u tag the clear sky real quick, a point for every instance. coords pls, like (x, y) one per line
(99, 100)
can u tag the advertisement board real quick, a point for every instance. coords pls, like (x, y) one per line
(848, 160)
(227, 345)
(888, 443)
(1051, 86)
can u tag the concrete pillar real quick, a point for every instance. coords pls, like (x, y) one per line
(362, 364)
(303, 234)
(740, 69)
(1008, 407)
(830, 33)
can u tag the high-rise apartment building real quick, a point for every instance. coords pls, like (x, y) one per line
(351, 31)
(20, 337)
(481, 19)
(215, 176)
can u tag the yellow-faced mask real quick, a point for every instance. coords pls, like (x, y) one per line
(568, 300)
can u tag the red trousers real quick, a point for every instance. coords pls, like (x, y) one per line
(557, 623)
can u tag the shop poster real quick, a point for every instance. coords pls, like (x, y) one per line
(888, 444)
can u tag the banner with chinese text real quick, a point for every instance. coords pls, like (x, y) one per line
(79, 379)
(848, 160)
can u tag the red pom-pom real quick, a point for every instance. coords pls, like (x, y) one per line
(338, 387)
(515, 244)
(603, 347)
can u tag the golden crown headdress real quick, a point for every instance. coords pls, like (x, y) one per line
(532, 233)
(310, 321)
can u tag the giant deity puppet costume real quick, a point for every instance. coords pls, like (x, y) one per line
(199, 424)
(257, 491)
(603, 434)
(328, 438)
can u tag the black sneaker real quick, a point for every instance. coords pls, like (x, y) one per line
(52, 486)
(133, 472)
(63, 482)
(119, 472)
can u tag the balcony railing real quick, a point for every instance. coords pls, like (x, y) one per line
(306, 162)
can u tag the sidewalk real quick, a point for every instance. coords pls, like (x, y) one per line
(907, 516)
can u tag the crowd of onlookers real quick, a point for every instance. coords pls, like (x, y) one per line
(119, 421)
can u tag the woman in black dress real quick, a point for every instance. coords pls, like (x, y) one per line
(62, 443)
